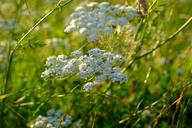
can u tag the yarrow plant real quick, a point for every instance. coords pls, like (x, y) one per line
(100, 18)
(54, 119)
(97, 65)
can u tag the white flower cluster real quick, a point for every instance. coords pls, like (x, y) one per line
(54, 119)
(95, 18)
(96, 64)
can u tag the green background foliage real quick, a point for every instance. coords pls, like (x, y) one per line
(157, 94)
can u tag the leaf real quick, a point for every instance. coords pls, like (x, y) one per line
(35, 43)
(4, 96)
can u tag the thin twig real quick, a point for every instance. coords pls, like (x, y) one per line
(160, 44)
(188, 84)
(60, 4)
(167, 40)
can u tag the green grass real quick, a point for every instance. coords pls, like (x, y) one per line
(158, 65)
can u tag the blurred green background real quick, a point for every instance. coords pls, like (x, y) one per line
(168, 69)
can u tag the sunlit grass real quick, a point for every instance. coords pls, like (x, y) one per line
(158, 64)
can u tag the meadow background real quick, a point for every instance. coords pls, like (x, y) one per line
(158, 92)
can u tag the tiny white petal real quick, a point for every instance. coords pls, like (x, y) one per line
(84, 31)
(88, 86)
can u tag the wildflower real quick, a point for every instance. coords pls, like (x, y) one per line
(97, 64)
(77, 53)
(67, 121)
(39, 124)
(52, 120)
(92, 5)
(116, 69)
(70, 28)
(62, 57)
(84, 31)
(50, 112)
(46, 74)
(122, 21)
(95, 52)
(118, 77)
(118, 58)
(59, 113)
(49, 126)
(100, 79)
(88, 86)
(51, 61)
(93, 18)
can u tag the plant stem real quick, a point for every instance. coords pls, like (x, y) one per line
(60, 4)
(160, 44)
(167, 40)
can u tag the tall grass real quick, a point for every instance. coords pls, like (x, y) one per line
(158, 64)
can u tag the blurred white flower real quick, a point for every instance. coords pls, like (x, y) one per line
(59, 113)
(70, 28)
(52, 120)
(116, 69)
(51, 61)
(96, 52)
(118, 77)
(49, 126)
(100, 79)
(50, 112)
(84, 31)
(82, 67)
(77, 53)
(39, 124)
(88, 86)
(67, 121)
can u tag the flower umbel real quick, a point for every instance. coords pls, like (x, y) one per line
(94, 19)
(96, 64)
(54, 118)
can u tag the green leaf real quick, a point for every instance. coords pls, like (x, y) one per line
(4, 96)
(35, 43)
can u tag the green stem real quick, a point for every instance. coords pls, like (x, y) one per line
(160, 44)
(167, 40)
(60, 4)
(151, 106)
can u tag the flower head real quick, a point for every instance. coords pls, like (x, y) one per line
(94, 19)
(97, 64)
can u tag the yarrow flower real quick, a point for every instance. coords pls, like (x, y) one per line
(54, 119)
(100, 18)
(88, 86)
(96, 64)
